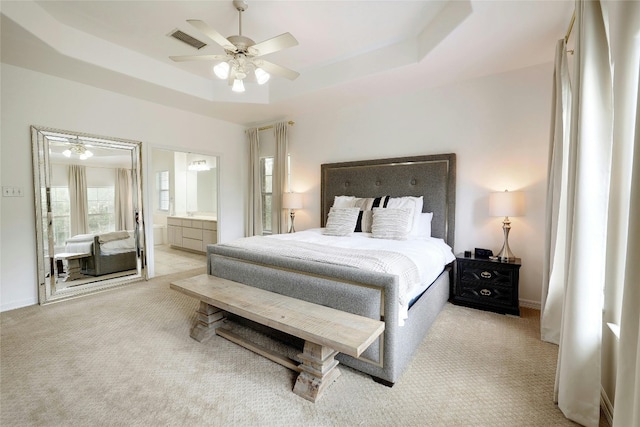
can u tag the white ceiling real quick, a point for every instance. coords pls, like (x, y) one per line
(348, 52)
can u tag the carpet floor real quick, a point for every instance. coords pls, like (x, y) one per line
(124, 357)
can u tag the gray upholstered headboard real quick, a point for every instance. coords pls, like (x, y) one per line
(431, 176)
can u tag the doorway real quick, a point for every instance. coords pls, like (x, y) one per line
(184, 205)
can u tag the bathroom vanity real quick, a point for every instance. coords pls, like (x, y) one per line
(192, 233)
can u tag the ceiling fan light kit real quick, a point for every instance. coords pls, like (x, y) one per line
(242, 54)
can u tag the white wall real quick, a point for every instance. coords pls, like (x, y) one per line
(30, 98)
(499, 128)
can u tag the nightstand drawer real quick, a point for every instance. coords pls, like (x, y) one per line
(485, 293)
(487, 274)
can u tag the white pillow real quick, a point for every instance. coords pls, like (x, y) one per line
(424, 225)
(341, 221)
(415, 204)
(344, 201)
(391, 223)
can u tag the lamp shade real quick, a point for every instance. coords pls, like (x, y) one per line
(292, 201)
(506, 203)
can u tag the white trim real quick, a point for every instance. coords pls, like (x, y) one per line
(606, 405)
(530, 304)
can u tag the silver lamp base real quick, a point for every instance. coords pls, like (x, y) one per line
(292, 215)
(505, 254)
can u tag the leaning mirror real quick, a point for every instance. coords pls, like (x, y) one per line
(88, 213)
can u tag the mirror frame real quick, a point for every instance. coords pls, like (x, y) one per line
(47, 289)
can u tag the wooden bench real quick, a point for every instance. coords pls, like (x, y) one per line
(326, 331)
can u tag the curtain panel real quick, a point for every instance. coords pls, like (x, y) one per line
(123, 205)
(254, 214)
(280, 177)
(592, 259)
(78, 203)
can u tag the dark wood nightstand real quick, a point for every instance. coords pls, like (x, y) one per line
(487, 284)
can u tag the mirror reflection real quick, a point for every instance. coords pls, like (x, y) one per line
(90, 211)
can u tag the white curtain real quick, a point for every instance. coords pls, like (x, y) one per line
(280, 177)
(123, 200)
(553, 272)
(599, 240)
(78, 204)
(624, 28)
(254, 217)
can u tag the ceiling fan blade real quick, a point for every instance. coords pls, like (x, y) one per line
(199, 58)
(274, 44)
(278, 70)
(212, 34)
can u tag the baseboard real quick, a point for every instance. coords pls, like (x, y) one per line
(17, 304)
(607, 406)
(530, 304)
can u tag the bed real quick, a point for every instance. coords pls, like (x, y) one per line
(361, 291)
(108, 253)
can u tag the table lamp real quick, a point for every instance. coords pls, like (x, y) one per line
(292, 201)
(506, 204)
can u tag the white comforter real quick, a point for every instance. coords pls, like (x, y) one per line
(418, 262)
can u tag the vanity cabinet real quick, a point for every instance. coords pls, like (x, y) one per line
(191, 234)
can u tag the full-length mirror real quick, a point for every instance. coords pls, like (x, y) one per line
(88, 213)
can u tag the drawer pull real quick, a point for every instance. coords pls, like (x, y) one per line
(485, 292)
(485, 275)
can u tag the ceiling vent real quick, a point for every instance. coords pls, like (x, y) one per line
(186, 38)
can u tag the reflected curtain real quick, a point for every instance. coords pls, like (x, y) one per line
(78, 204)
(280, 177)
(254, 217)
(123, 200)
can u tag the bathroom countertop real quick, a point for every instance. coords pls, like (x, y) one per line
(200, 217)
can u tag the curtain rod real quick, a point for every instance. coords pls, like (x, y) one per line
(290, 123)
(573, 19)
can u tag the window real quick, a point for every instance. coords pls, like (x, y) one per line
(101, 208)
(162, 184)
(100, 203)
(60, 211)
(266, 172)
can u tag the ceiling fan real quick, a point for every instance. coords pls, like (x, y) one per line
(243, 57)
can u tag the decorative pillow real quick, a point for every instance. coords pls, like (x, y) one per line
(391, 223)
(424, 225)
(341, 221)
(344, 201)
(415, 204)
(366, 206)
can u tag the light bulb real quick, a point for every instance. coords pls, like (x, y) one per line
(67, 153)
(262, 76)
(222, 70)
(238, 86)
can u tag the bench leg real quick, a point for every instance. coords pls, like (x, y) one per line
(209, 318)
(318, 371)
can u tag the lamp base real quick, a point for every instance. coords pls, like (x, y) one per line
(292, 215)
(505, 254)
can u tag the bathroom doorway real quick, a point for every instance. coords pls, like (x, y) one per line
(184, 203)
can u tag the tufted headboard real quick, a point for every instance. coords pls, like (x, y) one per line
(430, 176)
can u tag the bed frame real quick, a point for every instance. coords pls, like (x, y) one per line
(99, 264)
(358, 291)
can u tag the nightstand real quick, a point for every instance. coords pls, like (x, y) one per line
(486, 284)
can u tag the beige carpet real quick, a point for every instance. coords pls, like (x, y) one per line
(124, 357)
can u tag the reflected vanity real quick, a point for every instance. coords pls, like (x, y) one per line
(88, 213)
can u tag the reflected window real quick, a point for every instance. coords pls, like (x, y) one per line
(60, 216)
(101, 207)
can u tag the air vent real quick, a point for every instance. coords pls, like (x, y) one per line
(186, 38)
